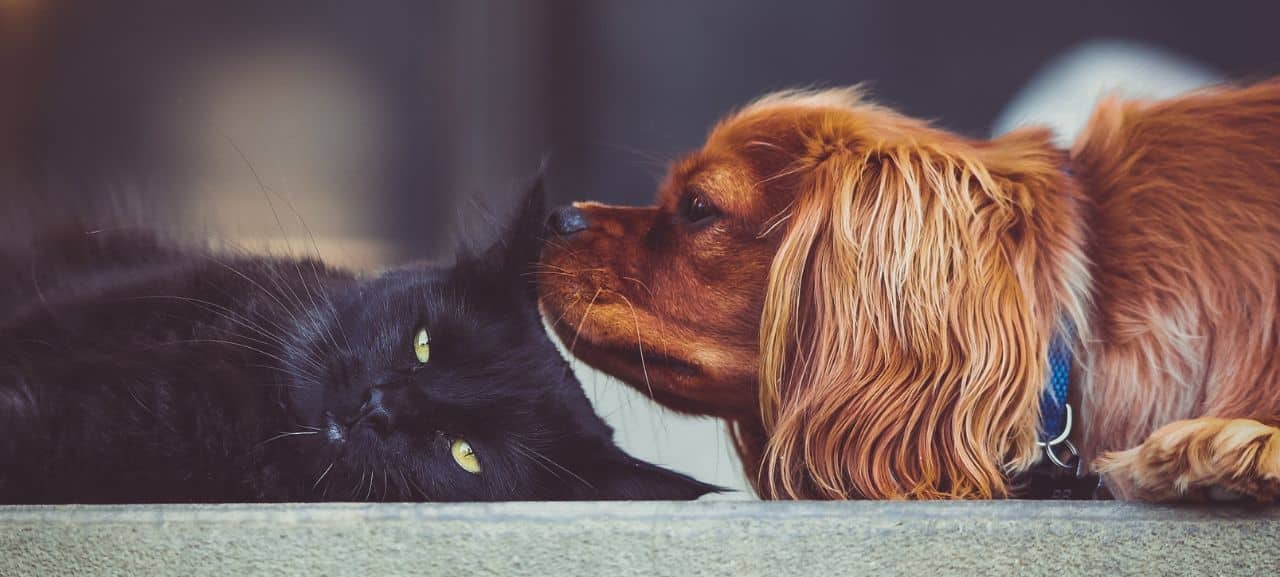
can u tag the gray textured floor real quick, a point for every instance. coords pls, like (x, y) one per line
(706, 538)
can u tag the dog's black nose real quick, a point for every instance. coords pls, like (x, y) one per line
(566, 220)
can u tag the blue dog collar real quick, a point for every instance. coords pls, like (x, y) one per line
(1054, 410)
(1061, 474)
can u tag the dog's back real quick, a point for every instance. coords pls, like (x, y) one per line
(1186, 247)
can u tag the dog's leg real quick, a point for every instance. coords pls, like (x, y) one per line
(1198, 459)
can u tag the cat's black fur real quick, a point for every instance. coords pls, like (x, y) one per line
(133, 371)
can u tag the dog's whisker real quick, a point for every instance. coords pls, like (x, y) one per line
(653, 160)
(560, 244)
(543, 265)
(537, 273)
(556, 322)
(640, 345)
(639, 283)
(585, 314)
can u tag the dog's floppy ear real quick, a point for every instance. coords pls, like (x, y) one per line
(902, 340)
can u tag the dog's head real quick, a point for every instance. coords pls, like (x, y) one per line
(876, 294)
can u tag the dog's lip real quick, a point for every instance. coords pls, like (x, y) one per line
(631, 354)
(667, 379)
(670, 381)
(582, 343)
(649, 358)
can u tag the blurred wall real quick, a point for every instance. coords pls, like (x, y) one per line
(391, 128)
(389, 111)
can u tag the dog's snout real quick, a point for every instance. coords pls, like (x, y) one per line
(566, 220)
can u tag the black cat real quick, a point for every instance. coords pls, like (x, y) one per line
(132, 371)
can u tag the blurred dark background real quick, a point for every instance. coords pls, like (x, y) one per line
(384, 120)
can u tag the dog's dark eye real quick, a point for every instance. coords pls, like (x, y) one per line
(696, 208)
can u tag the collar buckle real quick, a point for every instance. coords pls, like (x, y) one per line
(1051, 447)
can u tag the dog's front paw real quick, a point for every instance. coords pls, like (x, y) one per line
(1197, 460)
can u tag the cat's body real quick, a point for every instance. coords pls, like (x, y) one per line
(133, 371)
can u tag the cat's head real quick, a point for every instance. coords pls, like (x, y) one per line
(442, 384)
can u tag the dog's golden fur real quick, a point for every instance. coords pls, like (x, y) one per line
(872, 305)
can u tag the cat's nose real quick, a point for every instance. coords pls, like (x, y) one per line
(374, 412)
(566, 220)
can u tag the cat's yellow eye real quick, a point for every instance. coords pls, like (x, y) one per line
(422, 346)
(465, 457)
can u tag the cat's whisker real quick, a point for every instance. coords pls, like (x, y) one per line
(279, 223)
(360, 483)
(273, 296)
(281, 284)
(281, 329)
(530, 452)
(337, 319)
(304, 377)
(372, 474)
(323, 475)
(231, 343)
(414, 485)
(315, 273)
(308, 313)
(312, 313)
(311, 361)
(221, 311)
(535, 461)
(484, 210)
(404, 487)
(290, 434)
(267, 344)
(140, 403)
(302, 315)
(328, 301)
(289, 386)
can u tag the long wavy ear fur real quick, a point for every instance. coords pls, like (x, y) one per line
(908, 313)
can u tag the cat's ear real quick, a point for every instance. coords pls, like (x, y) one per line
(622, 477)
(514, 255)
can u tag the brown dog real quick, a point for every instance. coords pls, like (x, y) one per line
(870, 300)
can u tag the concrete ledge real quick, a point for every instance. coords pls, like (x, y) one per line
(706, 538)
